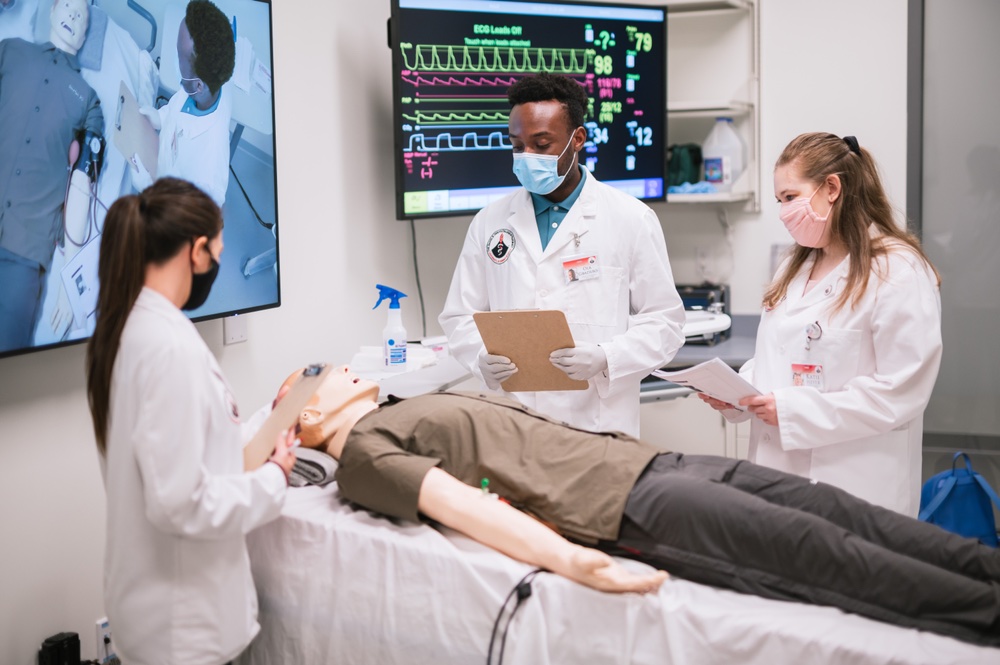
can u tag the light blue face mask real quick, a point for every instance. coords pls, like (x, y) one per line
(539, 174)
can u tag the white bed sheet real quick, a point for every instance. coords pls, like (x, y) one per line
(339, 585)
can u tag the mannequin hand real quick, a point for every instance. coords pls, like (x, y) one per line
(716, 404)
(763, 407)
(599, 571)
(582, 362)
(74, 152)
(283, 455)
(495, 369)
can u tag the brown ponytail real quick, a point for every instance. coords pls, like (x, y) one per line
(140, 229)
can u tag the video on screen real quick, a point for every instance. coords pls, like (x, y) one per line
(99, 100)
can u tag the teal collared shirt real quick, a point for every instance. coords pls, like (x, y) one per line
(192, 109)
(549, 215)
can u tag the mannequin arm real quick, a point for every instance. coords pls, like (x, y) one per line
(495, 524)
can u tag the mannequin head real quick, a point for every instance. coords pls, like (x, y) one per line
(339, 402)
(68, 20)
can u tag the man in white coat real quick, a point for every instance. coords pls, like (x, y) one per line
(194, 124)
(620, 302)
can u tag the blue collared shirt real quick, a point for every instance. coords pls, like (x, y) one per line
(191, 108)
(549, 215)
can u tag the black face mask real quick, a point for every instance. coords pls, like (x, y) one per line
(201, 285)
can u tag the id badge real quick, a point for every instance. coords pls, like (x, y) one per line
(810, 376)
(581, 268)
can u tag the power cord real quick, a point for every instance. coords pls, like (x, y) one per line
(108, 658)
(523, 591)
(416, 271)
(253, 209)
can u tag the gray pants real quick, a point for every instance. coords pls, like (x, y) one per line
(740, 526)
(21, 286)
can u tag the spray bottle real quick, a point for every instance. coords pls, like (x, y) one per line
(394, 334)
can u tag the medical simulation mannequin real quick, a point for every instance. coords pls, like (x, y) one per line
(849, 343)
(45, 103)
(713, 520)
(624, 311)
(194, 124)
(178, 587)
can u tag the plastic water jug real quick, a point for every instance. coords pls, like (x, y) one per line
(723, 155)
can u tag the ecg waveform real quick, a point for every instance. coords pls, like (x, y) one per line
(448, 118)
(428, 57)
(494, 81)
(446, 142)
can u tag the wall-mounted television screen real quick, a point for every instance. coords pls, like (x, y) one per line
(453, 61)
(97, 99)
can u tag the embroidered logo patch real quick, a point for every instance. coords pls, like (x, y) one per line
(501, 245)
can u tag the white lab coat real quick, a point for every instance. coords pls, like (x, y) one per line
(862, 432)
(177, 586)
(196, 148)
(632, 310)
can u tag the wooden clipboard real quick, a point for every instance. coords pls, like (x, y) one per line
(133, 134)
(285, 414)
(527, 337)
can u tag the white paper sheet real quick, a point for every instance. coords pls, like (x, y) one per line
(714, 378)
(244, 64)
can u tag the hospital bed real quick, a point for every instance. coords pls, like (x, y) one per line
(341, 585)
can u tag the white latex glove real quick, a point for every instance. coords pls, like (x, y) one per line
(152, 115)
(582, 362)
(495, 369)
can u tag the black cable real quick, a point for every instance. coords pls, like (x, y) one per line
(99, 202)
(523, 591)
(266, 225)
(416, 271)
(66, 235)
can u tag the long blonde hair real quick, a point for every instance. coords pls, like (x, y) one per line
(861, 206)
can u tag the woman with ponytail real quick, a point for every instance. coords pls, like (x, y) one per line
(849, 343)
(177, 586)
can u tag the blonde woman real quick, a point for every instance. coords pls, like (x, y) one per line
(849, 343)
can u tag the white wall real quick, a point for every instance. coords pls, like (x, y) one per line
(830, 66)
(825, 66)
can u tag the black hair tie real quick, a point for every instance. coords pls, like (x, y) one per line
(852, 143)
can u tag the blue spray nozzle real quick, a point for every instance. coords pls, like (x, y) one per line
(388, 292)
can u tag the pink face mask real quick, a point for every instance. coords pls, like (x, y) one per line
(802, 222)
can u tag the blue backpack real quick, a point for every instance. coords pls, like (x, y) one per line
(960, 501)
